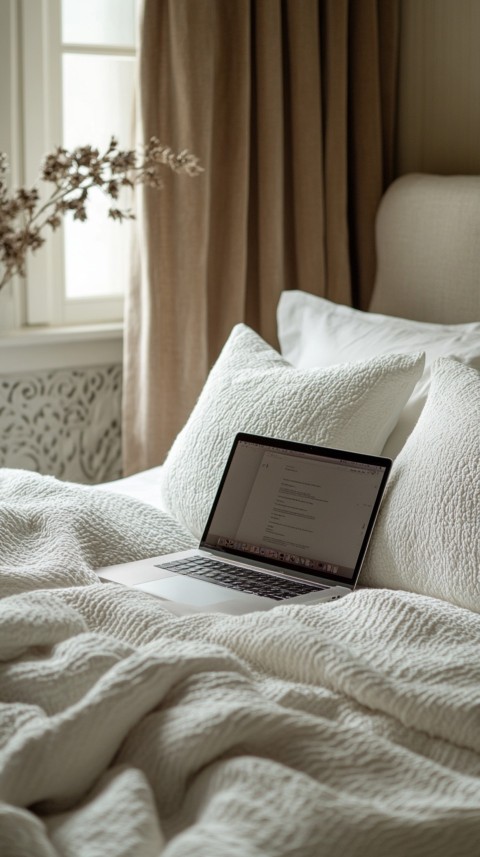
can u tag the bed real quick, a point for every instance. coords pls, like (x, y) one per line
(130, 728)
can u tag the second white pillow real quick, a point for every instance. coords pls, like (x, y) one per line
(427, 537)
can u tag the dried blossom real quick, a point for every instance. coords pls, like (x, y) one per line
(73, 174)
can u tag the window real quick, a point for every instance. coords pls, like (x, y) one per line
(69, 81)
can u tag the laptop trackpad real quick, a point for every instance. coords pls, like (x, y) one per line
(188, 590)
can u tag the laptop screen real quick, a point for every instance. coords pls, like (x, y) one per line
(297, 506)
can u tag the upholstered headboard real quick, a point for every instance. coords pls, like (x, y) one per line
(428, 249)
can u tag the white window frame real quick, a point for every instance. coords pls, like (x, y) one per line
(12, 303)
(31, 98)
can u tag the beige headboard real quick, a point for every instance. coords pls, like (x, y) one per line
(428, 249)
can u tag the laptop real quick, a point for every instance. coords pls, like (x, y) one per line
(290, 523)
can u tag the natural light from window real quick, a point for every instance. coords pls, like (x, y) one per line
(98, 49)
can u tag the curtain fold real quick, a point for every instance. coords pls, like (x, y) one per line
(290, 106)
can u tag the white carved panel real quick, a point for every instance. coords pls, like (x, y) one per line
(66, 423)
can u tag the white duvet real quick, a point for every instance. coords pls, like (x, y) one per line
(343, 729)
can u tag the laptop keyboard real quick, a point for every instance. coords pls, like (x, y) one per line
(240, 578)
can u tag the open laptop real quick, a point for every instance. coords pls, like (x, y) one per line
(290, 523)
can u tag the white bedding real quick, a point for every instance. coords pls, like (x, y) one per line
(343, 729)
(144, 486)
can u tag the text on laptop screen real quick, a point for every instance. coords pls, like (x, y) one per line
(307, 510)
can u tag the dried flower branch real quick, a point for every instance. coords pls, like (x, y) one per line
(24, 218)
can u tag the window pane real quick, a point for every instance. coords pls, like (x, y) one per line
(97, 99)
(97, 103)
(96, 255)
(99, 22)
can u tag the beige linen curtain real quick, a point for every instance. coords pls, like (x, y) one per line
(290, 106)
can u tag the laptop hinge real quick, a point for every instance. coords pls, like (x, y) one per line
(281, 572)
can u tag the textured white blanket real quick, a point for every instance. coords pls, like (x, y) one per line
(343, 729)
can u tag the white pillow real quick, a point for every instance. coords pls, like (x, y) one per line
(252, 388)
(315, 332)
(427, 536)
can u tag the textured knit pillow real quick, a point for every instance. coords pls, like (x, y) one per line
(252, 388)
(427, 536)
(315, 332)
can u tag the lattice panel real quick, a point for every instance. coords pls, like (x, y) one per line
(65, 423)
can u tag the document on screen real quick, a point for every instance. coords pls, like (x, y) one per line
(309, 507)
